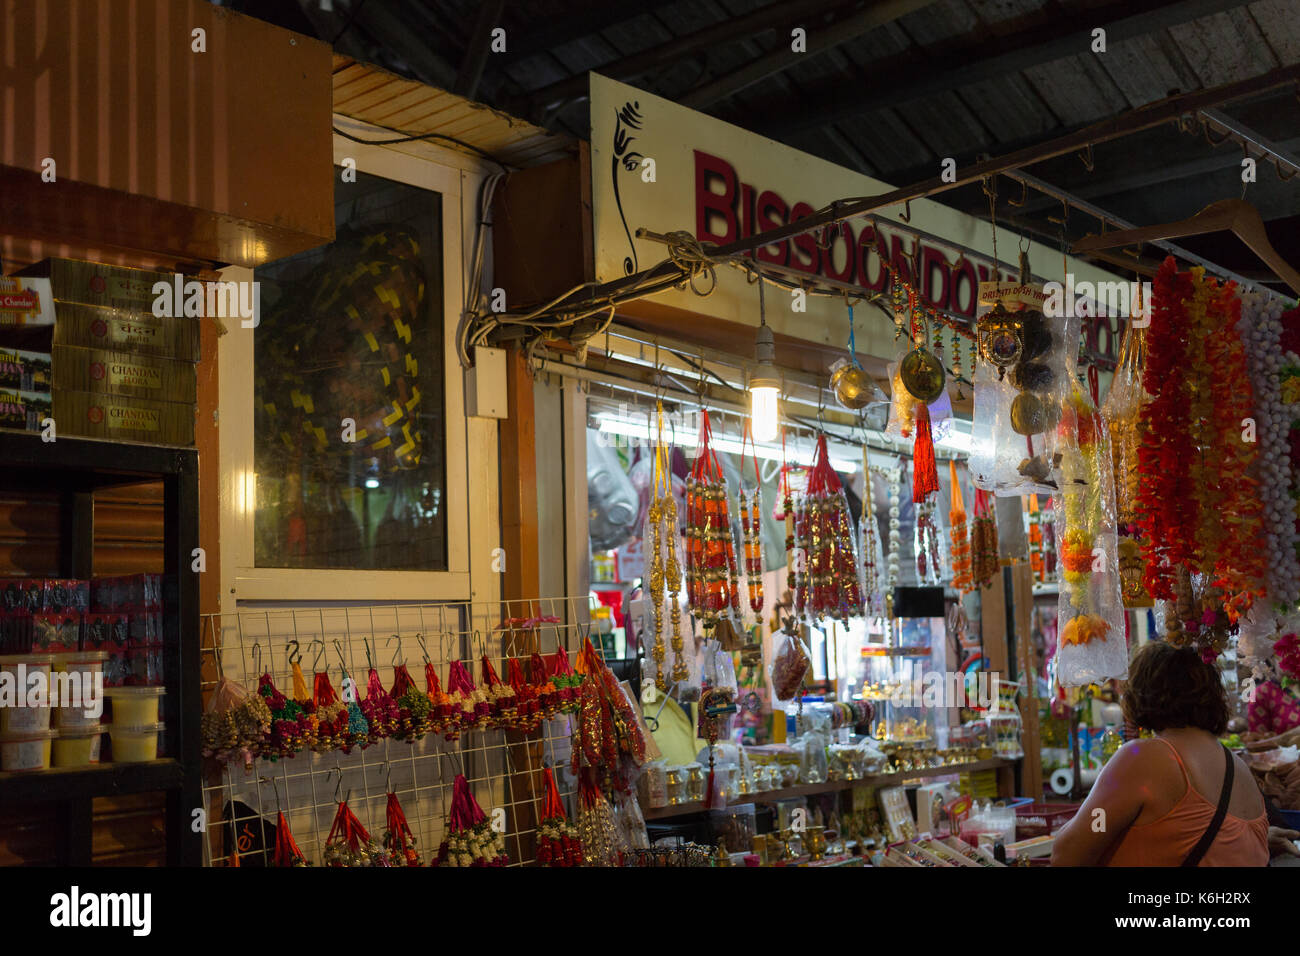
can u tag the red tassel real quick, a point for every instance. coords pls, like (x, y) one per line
(925, 474)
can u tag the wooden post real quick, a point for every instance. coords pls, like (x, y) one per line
(1031, 770)
(518, 456)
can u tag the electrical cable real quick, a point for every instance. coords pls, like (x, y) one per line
(414, 137)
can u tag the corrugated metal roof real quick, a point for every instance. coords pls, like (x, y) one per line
(372, 95)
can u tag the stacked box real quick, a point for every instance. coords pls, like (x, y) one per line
(128, 609)
(118, 418)
(95, 327)
(24, 411)
(23, 371)
(25, 302)
(93, 283)
(119, 371)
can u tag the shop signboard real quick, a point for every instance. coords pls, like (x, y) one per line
(662, 167)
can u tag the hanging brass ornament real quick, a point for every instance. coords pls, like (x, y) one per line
(1001, 337)
(852, 386)
(922, 375)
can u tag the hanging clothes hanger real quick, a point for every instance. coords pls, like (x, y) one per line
(1232, 215)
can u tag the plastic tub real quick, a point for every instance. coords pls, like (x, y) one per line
(26, 750)
(135, 743)
(19, 669)
(134, 706)
(87, 664)
(76, 748)
(1043, 819)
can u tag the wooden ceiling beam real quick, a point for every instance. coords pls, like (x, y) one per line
(905, 81)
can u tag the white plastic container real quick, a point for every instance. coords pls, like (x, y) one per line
(16, 671)
(86, 664)
(26, 750)
(134, 706)
(135, 743)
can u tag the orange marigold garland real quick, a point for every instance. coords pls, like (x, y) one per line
(1198, 504)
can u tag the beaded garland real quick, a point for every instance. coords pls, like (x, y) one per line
(1269, 363)
(827, 584)
(712, 584)
(872, 554)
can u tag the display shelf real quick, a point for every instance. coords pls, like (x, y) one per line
(812, 789)
(74, 469)
(104, 780)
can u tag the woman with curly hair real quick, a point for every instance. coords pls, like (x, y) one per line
(1179, 798)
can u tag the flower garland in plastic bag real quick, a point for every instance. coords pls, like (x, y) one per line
(1123, 412)
(1090, 613)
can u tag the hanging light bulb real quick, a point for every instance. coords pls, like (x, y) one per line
(764, 386)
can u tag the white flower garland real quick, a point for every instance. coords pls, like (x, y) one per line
(1261, 331)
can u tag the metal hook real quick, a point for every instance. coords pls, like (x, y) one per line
(1065, 214)
(338, 649)
(906, 214)
(274, 786)
(1086, 157)
(294, 651)
(397, 657)
(315, 661)
(1024, 195)
(338, 787)
(370, 663)
(257, 659)
(419, 639)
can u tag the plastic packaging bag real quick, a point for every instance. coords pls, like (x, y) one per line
(902, 409)
(1090, 613)
(789, 665)
(1016, 411)
(1122, 411)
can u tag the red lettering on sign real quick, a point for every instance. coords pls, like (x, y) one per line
(935, 262)
(709, 205)
(868, 242)
(811, 258)
(746, 210)
(966, 270)
(845, 232)
(772, 212)
(900, 259)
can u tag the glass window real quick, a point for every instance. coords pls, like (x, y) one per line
(350, 429)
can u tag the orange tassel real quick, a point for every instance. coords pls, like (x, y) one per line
(925, 474)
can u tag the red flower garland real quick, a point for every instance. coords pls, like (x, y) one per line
(1197, 505)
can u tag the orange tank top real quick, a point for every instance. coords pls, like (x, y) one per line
(1167, 840)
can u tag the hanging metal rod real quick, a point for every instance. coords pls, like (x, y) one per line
(1074, 202)
(1248, 137)
(667, 273)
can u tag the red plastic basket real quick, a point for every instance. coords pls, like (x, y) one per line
(1042, 819)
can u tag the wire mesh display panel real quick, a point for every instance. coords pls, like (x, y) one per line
(504, 768)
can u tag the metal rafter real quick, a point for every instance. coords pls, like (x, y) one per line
(552, 97)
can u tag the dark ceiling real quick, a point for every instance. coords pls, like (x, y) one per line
(887, 88)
